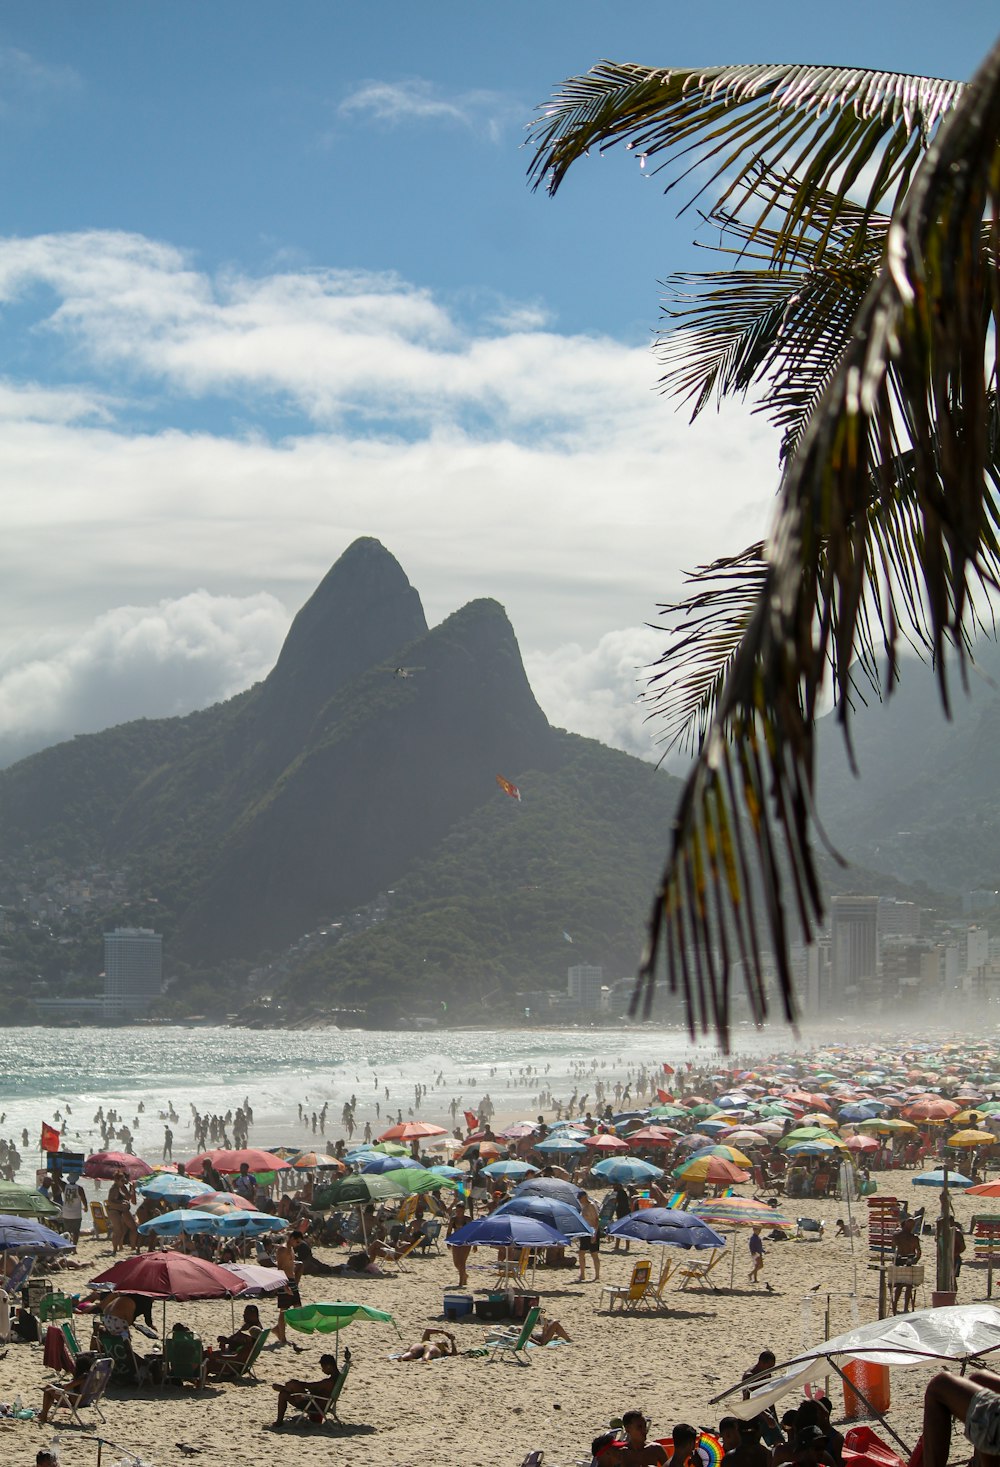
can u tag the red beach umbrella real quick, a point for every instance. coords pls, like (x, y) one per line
(169, 1275)
(221, 1202)
(106, 1163)
(228, 1162)
(651, 1136)
(605, 1142)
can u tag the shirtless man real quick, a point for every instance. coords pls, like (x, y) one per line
(906, 1245)
(297, 1392)
(636, 1451)
(590, 1247)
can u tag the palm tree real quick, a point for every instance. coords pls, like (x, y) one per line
(862, 210)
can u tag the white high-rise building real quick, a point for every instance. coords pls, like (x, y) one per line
(133, 970)
(854, 943)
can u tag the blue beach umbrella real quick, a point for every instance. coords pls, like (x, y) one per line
(183, 1221)
(938, 1179)
(811, 1148)
(507, 1230)
(667, 1226)
(549, 1187)
(553, 1145)
(558, 1215)
(247, 1224)
(516, 1169)
(627, 1169)
(170, 1187)
(23, 1232)
(378, 1164)
(453, 1173)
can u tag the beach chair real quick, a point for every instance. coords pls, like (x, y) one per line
(72, 1343)
(18, 1277)
(405, 1252)
(184, 1359)
(315, 1409)
(512, 1273)
(696, 1275)
(99, 1217)
(629, 1296)
(516, 1341)
(95, 1383)
(55, 1306)
(126, 1367)
(430, 1233)
(241, 1369)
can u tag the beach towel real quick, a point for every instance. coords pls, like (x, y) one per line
(55, 1354)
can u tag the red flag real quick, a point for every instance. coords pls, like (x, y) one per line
(508, 788)
(471, 1120)
(667, 1069)
(50, 1138)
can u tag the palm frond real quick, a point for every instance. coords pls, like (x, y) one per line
(826, 127)
(917, 378)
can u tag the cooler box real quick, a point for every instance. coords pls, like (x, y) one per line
(457, 1306)
(873, 1381)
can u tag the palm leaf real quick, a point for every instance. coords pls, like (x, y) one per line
(917, 379)
(826, 127)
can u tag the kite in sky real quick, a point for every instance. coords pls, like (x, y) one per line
(508, 788)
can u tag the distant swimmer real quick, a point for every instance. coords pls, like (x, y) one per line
(406, 671)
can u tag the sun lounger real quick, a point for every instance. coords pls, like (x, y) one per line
(95, 1383)
(315, 1409)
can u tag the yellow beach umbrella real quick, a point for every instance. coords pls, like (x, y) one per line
(972, 1138)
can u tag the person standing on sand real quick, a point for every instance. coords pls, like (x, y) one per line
(756, 1246)
(590, 1247)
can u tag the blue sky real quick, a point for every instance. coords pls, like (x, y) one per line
(271, 277)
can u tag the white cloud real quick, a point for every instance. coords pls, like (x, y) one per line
(596, 690)
(136, 662)
(493, 458)
(400, 103)
(25, 82)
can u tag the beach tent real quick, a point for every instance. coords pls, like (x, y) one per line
(957, 1333)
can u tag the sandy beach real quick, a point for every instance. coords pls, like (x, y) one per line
(471, 1412)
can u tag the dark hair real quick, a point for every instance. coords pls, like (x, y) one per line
(683, 1432)
(606, 1439)
(628, 1416)
(324, 1358)
(767, 1355)
(728, 1423)
(809, 1436)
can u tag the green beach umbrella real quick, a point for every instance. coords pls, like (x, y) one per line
(420, 1179)
(25, 1201)
(330, 1319)
(358, 1191)
(391, 1148)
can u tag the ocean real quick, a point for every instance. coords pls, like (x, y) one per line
(74, 1071)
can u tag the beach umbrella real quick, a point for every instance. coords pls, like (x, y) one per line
(605, 1142)
(808, 1133)
(668, 1112)
(887, 1126)
(812, 1148)
(971, 1139)
(106, 1163)
(167, 1275)
(549, 1187)
(23, 1233)
(694, 1141)
(180, 1223)
(941, 1178)
(717, 1127)
(862, 1143)
(931, 1110)
(220, 1202)
(553, 1145)
(728, 1153)
(558, 1215)
(169, 1186)
(710, 1169)
(314, 1161)
(746, 1138)
(255, 1280)
(983, 1189)
(329, 1319)
(862, 1110)
(654, 1138)
(412, 1131)
(507, 1230)
(517, 1169)
(358, 1191)
(453, 1173)
(519, 1130)
(248, 1224)
(25, 1201)
(627, 1169)
(420, 1179)
(376, 1164)
(667, 1227)
(481, 1149)
(739, 1212)
(229, 1162)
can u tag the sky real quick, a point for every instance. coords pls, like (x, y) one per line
(272, 277)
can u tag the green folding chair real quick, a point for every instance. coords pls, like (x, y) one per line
(517, 1341)
(315, 1409)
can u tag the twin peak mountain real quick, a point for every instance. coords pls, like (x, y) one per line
(367, 757)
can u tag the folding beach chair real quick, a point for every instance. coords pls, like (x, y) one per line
(516, 1341)
(405, 1252)
(18, 1277)
(629, 1296)
(95, 1383)
(184, 1359)
(72, 1343)
(55, 1306)
(697, 1274)
(315, 1409)
(240, 1369)
(431, 1232)
(99, 1216)
(127, 1368)
(512, 1273)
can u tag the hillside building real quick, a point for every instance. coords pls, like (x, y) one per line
(854, 945)
(584, 984)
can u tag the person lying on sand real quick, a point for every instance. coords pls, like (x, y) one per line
(297, 1392)
(429, 1348)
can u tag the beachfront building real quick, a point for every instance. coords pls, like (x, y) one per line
(584, 984)
(133, 970)
(854, 946)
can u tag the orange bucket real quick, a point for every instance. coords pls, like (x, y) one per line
(873, 1381)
